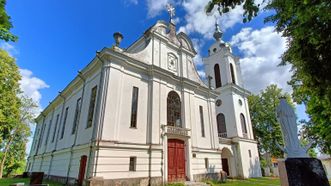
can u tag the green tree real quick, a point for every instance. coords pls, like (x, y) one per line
(9, 102)
(307, 26)
(266, 128)
(5, 24)
(15, 160)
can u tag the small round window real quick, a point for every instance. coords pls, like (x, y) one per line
(218, 102)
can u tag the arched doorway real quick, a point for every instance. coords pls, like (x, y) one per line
(228, 165)
(176, 160)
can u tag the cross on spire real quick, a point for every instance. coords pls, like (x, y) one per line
(171, 11)
(218, 33)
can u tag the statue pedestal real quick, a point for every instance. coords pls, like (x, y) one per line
(302, 172)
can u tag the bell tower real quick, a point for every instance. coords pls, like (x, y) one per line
(232, 112)
(224, 74)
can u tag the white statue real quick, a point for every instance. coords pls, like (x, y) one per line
(287, 120)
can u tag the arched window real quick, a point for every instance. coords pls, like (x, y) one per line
(221, 126)
(217, 72)
(232, 74)
(173, 110)
(243, 125)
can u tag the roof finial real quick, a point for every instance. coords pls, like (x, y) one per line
(218, 33)
(171, 11)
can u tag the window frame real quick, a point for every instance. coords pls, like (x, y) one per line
(64, 122)
(202, 122)
(133, 163)
(233, 77)
(217, 75)
(55, 127)
(134, 107)
(91, 110)
(77, 115)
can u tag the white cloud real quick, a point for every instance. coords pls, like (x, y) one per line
(262, 50)
(197, 20)
(156, 7)
(9, 48)
(31, 85)
(131, 2)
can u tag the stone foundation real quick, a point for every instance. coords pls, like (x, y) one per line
(210, 176)
(99, 181)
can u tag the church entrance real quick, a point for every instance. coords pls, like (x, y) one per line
(176, 160)
(228, 164)
(225, 165)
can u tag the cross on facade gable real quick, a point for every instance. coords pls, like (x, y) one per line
(171, 11)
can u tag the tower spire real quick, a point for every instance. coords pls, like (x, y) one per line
(218, 33)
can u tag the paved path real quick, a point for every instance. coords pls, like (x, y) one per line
(192, 183)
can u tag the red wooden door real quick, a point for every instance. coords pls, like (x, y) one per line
(82, 168)
(176, 160)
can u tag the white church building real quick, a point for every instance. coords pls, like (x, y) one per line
(143, 116)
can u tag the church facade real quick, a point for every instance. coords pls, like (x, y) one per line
(142, 116)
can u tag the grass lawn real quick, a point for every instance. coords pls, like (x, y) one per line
(265, 181)
(8, 181)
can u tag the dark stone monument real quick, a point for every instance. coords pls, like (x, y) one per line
(25, 175)
(302, 172)
(36, 178)
(297, 169)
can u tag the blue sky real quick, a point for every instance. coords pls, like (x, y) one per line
(59, 37)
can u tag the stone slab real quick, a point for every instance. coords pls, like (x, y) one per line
(302, 172)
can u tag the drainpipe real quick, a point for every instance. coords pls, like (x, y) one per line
(150, 127)
(77, 126)
(99, 116)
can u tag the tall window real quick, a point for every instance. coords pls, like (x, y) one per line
(217, 73)
(41, 134)
(77, 115)
(55, 127)
(243, 125)
(48, 131)
(232, 74)
(206, 163)
(221, 126)
(91, 107)
(64, 122)
(202, 122)
(133, 162)
(134, 107)
(174, 110)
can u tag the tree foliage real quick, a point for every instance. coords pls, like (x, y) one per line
(307, 26)
(266, 128)
(16, 114)
(5, 24)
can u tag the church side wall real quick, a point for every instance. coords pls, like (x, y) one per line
(61, 158)
(113, 163)
(250, 159)
(199, 166)
(117, 119)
